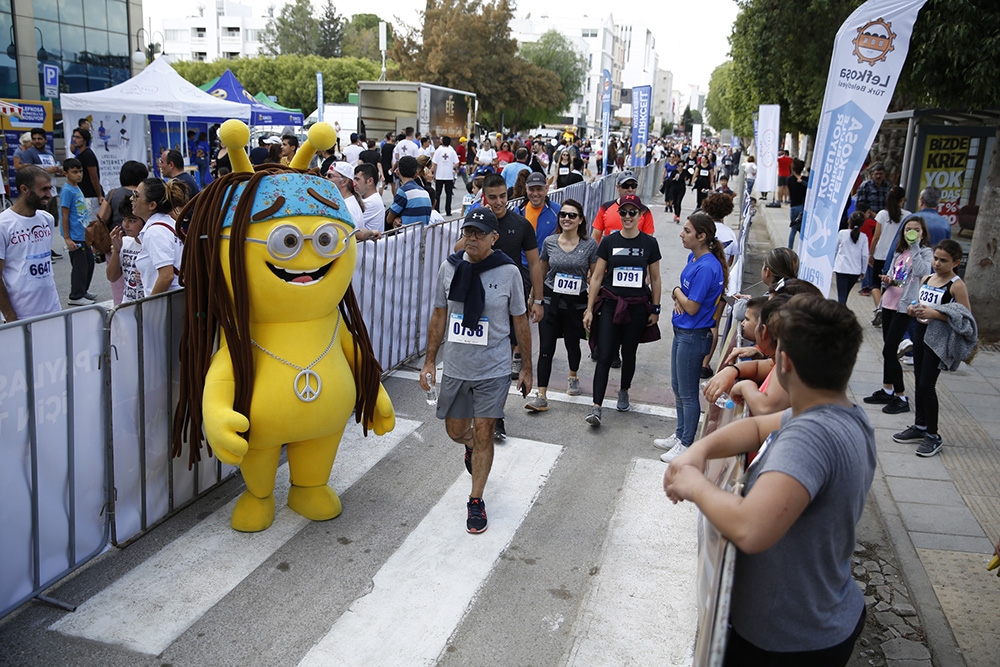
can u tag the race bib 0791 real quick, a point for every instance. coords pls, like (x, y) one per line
(627, 276)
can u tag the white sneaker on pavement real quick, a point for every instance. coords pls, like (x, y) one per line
(675, 451)
(667, 443)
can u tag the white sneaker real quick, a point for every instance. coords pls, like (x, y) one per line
(667, 443)
(676, 451)
(905, 346)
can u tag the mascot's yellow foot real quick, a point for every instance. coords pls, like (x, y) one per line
(318, 503)
(252, 514)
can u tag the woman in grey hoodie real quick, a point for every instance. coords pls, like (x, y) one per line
(900, 286)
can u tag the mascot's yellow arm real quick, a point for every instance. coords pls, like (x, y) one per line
(223, 424)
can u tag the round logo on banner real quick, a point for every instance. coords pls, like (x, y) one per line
(767, 155)
(874, 42)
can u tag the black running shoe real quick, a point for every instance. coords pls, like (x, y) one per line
(930, 446)
(880, 397)
(499, 432)
(468, 459)
(897, 406)
(476, 523)
(911, 434)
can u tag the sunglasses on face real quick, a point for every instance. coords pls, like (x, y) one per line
(472, 233)
(569, 215)
(631, 185)
(629, 212)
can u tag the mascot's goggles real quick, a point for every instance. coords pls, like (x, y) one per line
(285, 242)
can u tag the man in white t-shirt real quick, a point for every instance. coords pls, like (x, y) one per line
(404, 146)
(353, 152)
(445, 163)
(27, 287)
(366, 184)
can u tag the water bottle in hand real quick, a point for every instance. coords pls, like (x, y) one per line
(725, 402)
(432, 393)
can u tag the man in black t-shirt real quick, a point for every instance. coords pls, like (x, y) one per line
(385, 166)
(517, 241)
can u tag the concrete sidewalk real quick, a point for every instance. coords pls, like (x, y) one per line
(942, 514)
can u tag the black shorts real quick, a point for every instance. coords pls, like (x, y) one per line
(782, 181)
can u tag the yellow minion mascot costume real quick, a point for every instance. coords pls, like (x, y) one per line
(267, 271)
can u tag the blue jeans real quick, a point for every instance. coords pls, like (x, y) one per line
(794, 213)
(689, 348)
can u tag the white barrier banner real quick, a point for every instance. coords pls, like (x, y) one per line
(768, 128)
(868, 54)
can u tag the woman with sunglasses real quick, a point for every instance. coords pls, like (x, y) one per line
(505, 155)
(568, 258)
(563, 169)
(624, 300)
(159, 259)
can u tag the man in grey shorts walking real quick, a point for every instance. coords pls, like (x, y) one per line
(475, 293)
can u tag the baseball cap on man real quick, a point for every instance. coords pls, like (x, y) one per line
(624, 177)
(272, 140)
(481, 218)
(534, 178)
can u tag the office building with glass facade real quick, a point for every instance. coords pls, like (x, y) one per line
(90, 41)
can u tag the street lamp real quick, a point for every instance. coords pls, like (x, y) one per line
(42, 54)
(140, 57)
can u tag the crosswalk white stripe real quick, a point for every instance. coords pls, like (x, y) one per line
(150, 606)
(425, 588)
(641, 408)
(646, 585)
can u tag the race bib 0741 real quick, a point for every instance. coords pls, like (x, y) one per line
(565, 283)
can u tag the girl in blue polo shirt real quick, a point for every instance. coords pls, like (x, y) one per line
(695, 300)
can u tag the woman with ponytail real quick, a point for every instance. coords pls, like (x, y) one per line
(701, 286)
(159, 258)
(851, 260)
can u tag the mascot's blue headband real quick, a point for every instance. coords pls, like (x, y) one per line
(287, 195)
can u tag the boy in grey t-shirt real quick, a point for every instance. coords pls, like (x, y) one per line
(795, 525)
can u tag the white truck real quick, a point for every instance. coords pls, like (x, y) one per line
(436, 111)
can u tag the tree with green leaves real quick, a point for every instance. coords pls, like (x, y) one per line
(466, 44)
(361, 37)
(295, 31)
(554, 52)
(331, 32)
(720, 116)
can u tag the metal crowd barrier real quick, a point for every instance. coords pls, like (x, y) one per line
(150, 485)
(55, 486)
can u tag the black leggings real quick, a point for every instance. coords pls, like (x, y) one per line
(894, 325)
(675, 195)
(741, 653)
(564, 322)
(926, 369)
(609, 337)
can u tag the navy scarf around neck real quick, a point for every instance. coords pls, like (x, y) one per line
(467, 287)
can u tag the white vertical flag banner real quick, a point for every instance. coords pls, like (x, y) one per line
(868, 54)
(696, 135)
(768, 128)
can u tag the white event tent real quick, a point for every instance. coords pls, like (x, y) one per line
(119, 114)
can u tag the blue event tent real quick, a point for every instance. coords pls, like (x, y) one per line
(228, 87)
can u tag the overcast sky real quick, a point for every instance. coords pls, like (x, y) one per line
(691, 37)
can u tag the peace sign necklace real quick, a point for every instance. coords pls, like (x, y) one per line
(311, 383)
